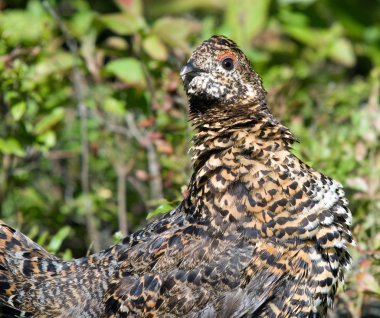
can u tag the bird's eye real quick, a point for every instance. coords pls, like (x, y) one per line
(228, 64)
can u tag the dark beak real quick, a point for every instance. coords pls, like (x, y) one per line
(189, 71)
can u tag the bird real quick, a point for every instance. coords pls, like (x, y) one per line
(259, 233)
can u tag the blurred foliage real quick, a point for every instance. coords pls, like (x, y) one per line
(93, 116)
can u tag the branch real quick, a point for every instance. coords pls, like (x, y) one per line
(121, 199)
(69, 40)
(154, 168)
(80, 90)
(4, 177)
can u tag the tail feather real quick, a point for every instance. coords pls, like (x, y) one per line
(12, 241)
(34, 283)
(19, 257)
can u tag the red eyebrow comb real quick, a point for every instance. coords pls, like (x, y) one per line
(226, 54)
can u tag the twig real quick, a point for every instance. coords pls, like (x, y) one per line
(121, 199)
(85, 179)
(156, 189)
(137, 185)
(70, 42)
(19, 52)
(4, 177)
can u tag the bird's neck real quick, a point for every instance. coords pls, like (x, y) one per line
(251, 125)
(228, 153)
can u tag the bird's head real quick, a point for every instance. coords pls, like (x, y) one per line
(218, 73)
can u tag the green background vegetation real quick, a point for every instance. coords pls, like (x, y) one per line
(94, 133)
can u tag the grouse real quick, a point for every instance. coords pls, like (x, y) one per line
(259, 234)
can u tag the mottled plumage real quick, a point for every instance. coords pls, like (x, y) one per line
(260, 234)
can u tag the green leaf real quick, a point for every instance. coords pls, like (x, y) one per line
(116, 237)
(114, 105)
(32, 199)
(25, 26)
(58, 63)
(42, 238)
(67, 255)
(134, 6)
(18, 110)
(161, 209)
(342, 52)
(252, 15)
(49, 121)
(305, 35)
(58, 238)
(175, 31)
(117, 43)
(11, 146)
(125, 23)
(48, 138)
(129, 70)
(160, 8)
(155, 48)
(285, 2)
(81, 23)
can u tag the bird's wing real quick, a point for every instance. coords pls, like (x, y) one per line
(201, 278)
